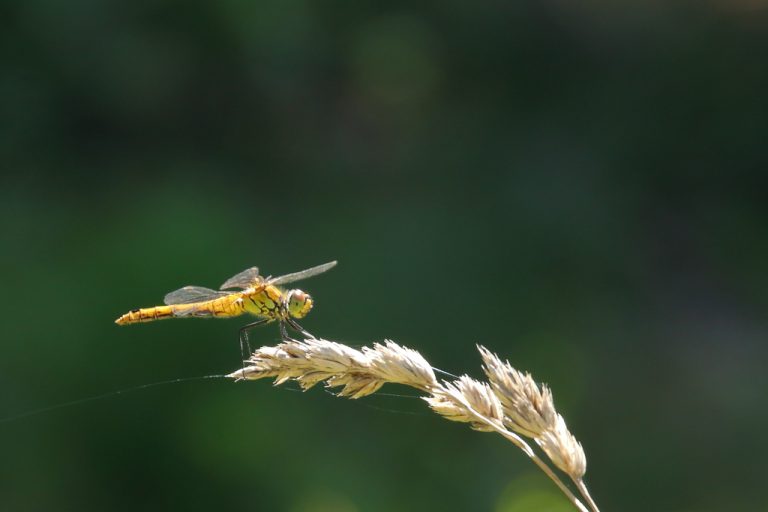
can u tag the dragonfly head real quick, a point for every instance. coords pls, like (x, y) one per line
(298, 303)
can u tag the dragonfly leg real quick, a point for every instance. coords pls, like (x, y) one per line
(284, 332)
(300, 329)
(245, 344)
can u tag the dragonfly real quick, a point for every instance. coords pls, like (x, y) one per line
(260, 296)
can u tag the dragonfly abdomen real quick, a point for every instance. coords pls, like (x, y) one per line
(231, 305)
(223, 307)
(145, 315)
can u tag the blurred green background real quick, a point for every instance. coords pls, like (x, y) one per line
(579, 187)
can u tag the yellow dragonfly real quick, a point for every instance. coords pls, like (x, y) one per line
(259, 296)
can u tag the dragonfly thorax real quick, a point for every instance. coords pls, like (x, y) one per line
(298, 303)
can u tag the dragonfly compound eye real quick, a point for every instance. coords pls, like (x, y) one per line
(299, 303)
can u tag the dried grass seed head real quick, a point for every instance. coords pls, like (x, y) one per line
(528, 408)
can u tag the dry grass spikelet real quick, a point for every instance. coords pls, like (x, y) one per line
(529, 410)
(564, 450)
(400, 365)
(464, 399)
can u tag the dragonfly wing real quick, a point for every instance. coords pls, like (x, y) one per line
(243, 280)
(303, 274)
(191, 294)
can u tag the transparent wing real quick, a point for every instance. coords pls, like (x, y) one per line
(190, 294)
(242, 280)
(289, 278)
